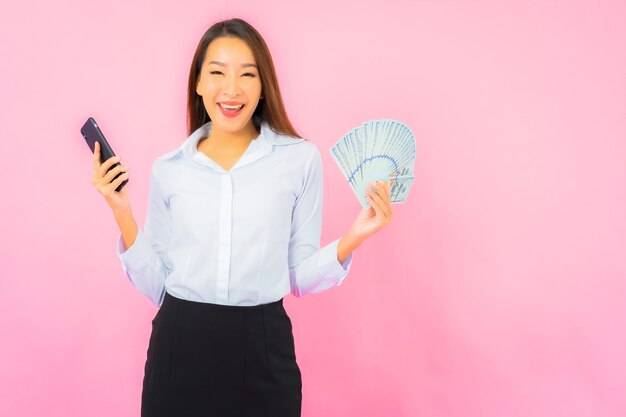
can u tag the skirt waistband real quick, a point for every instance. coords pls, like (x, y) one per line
(201, 307)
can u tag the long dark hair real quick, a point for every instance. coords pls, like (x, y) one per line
(270, 109)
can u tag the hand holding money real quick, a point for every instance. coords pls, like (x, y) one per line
(369, 220)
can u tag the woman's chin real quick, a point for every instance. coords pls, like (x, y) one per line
(232, 125)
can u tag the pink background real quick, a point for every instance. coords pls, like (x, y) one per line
(499, 288)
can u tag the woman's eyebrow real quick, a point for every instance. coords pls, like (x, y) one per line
(221, 64)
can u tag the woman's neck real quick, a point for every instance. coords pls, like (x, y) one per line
(242, 138)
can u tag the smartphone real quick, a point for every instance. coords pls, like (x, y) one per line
(92, 133)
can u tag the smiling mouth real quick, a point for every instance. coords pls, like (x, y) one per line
(229, 110)
(228, 107)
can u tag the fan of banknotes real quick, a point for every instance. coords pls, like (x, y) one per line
(377, 150)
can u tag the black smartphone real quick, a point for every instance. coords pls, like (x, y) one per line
(92, 133)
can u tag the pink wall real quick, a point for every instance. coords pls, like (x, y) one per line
(498, 290)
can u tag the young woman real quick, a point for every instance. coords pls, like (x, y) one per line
(233, 226)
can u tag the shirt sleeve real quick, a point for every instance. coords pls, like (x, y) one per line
(311, 269)
(146, 263)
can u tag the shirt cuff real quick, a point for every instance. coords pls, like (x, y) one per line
(134, 258)
(333, 268)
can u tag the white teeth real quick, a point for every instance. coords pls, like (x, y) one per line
(227, 107)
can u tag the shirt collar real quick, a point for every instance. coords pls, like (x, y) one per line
(266, 137)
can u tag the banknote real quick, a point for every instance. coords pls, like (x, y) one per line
(377, 150)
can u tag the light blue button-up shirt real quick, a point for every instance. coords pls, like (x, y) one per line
(242, 237)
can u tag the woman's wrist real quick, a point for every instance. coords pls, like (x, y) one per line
(123, 215)
(127, 225)
(347, 244)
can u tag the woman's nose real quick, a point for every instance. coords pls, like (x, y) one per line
(231, 86)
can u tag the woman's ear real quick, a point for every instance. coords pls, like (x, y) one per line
(197, 84)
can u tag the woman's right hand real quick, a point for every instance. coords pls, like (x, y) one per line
(104, 183)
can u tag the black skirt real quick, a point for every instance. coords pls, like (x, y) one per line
(213, 360)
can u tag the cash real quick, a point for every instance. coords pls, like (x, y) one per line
(377, 150)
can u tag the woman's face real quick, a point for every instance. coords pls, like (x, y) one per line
(230, 85)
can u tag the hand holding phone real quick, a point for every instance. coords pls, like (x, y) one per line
(92, 134)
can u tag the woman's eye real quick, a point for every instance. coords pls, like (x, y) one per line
(247, 74)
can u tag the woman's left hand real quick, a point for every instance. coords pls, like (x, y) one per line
(371, 219)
